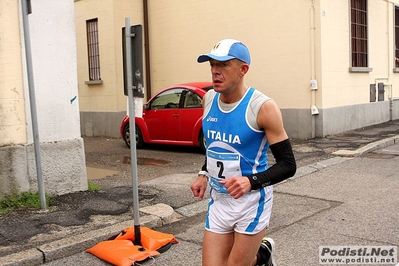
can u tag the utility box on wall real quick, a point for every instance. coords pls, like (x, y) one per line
(372, 93)
(381, 91)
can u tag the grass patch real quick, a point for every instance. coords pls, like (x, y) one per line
(93, 187)
(26, 200)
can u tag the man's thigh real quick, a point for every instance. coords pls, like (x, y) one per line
(216, 248)
(230, 249)
(245, 248)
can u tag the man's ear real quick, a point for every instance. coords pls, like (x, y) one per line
(244, 69)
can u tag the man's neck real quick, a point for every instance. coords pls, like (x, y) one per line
(234, 96)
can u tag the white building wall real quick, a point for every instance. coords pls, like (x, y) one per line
(53, 43)
(53, 46)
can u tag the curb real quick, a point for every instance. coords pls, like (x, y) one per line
(369, 147)
(157, 215)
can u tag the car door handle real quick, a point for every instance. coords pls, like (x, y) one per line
(175, 115)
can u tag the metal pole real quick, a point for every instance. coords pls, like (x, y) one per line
(132, 130)
(26, 9)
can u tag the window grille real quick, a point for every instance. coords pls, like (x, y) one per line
(93, 49)
(359, 33)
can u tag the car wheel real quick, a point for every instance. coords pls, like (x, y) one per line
(202, 141)
(139, 137)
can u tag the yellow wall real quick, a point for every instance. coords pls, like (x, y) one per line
(291, 43)
(111, 15)
(186, 29)
(339, 86)
(278, 34)
(12, 102)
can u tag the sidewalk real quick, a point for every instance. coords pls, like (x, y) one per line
(351, 202)
(28, 237)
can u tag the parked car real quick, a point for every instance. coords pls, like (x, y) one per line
(173, 116)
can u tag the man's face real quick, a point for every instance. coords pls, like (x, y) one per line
(226, 74)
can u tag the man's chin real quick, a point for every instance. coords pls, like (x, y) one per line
(217, 86)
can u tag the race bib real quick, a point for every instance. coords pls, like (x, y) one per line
(220, 166)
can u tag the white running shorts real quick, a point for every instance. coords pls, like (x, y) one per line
(248, 214)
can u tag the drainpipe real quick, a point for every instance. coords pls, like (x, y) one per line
(147, 50)
(389, 85)
(313, 82)
(389, 61)
(390, 67)
(390, 102)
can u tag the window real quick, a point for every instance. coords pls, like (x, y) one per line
(396, 37)
(192, 100)
(93, 49)
(359, 33)
(167, 99)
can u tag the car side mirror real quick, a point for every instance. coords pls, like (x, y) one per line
(145, 106)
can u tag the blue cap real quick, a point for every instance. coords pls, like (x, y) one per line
(226, 50)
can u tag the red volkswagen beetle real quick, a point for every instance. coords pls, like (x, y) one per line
(173, 116)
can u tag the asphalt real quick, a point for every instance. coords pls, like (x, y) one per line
(78, 221)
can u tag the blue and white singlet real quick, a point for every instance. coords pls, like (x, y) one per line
(234, 148)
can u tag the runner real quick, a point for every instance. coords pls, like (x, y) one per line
(239, 124)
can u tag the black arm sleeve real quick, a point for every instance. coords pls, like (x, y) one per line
(284, 167)
(204, 168)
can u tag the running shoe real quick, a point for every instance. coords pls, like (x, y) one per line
(265, 253)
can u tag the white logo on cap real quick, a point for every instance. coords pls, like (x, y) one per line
(222, 48)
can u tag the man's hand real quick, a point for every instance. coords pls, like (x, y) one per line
(237, 186)
(199, 186)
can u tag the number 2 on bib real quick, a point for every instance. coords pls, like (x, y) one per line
(223, 165)
(221, 168)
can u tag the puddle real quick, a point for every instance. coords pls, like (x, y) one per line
(98, 173)
(145, 161)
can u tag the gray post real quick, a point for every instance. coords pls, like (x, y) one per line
(132, 130)
(26, 7)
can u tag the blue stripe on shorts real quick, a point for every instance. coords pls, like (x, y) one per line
(209, 206)
(251, 227)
